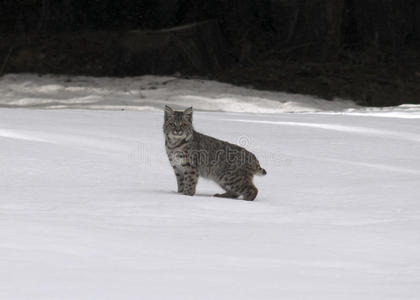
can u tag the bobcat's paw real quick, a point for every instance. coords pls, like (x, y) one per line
(189, 193)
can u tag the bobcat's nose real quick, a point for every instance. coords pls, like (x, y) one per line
(177, 132)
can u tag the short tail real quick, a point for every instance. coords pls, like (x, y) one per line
(260, 171)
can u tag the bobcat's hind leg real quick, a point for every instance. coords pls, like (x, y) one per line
(250, 193)
(232, 185)
(244, 187)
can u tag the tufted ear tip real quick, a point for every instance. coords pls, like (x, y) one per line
(168, 111)
(188, 113)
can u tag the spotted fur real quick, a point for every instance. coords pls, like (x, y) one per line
(192, 154)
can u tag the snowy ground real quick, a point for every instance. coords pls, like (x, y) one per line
(88, 208)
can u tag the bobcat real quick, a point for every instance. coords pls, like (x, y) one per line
(193, 154)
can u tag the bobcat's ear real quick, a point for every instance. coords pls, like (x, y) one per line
(188, 114)
(168, 111)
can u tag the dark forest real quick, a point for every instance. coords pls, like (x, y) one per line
(367, 51)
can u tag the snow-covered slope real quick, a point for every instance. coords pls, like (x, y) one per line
(88, 208)
(151, 93)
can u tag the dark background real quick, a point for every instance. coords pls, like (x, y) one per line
(368, 51)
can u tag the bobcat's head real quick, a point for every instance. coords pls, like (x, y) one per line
(178, 124)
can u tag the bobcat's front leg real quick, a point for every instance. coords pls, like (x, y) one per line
(190, 181)
(179, 179)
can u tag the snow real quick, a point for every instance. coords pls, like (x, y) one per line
(88, 208)
(407, 111)
(151, 93)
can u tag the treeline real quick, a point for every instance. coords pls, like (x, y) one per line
(31, 16)
(366, 50)
(306, 23)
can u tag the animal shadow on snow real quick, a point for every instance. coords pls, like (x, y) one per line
(178, 194)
